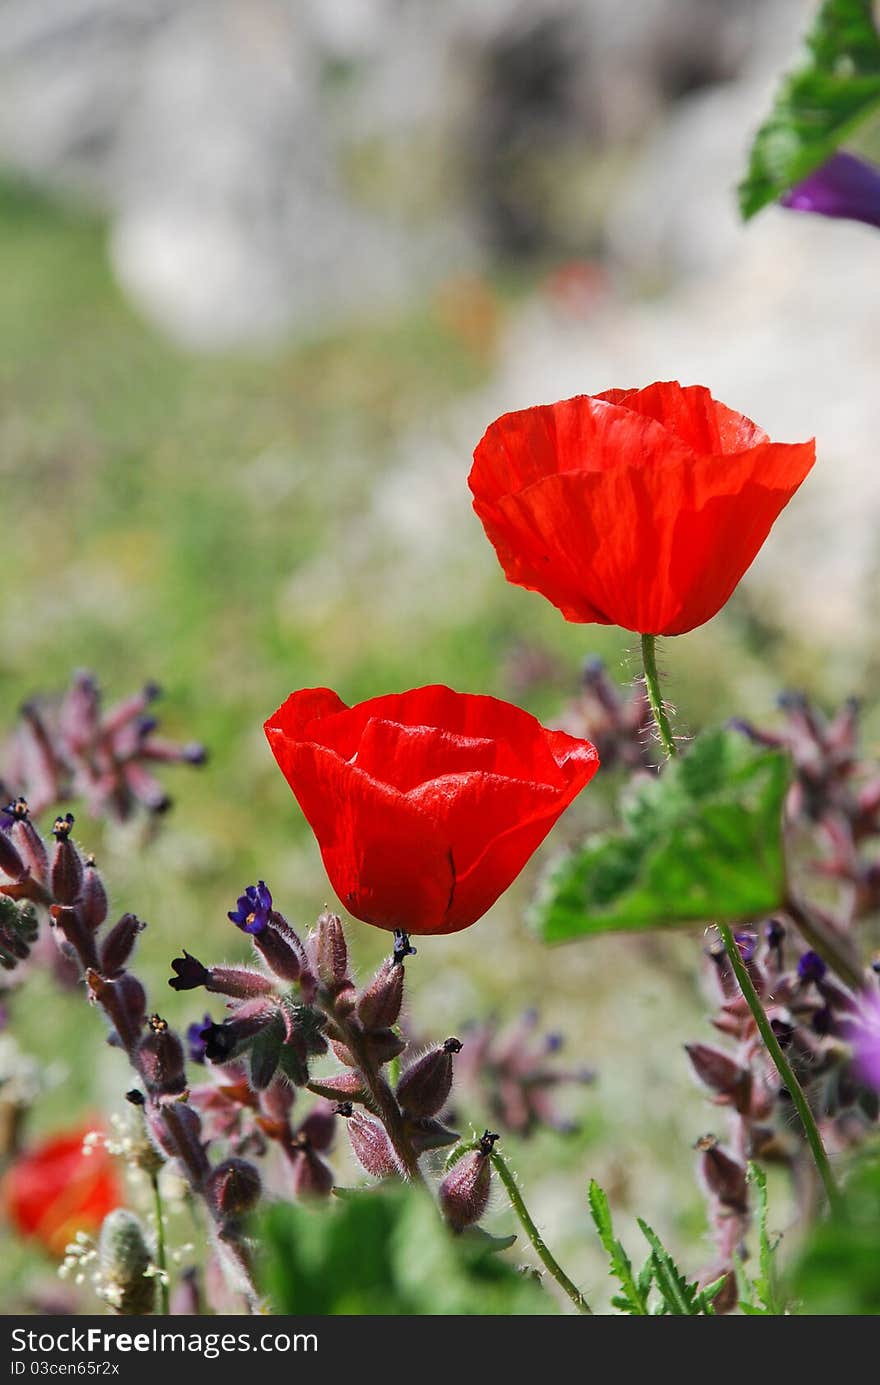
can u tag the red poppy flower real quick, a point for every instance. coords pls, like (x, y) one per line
(55, 1190)
(425, 804)
(639, 508)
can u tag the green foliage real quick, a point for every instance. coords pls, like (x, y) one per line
(764, 1297)
(838, 1270)
(386, 1251)
(700, 841)
(674, 1295)
(819, 105)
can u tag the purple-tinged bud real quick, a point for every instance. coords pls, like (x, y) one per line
(177, 1130)
(160, 1059)
(69, 924)
(11, 863)
(93, 897)
(426, 1134)
(235, 1187)
(319, 1127)
(123, 1000)
(721, 1074)
(66, 872)
(28, 842)
(281, 949)
(725, 1177)
(424, 1088)
(331, 952)
(372, 1147)
(382, 1045)
(312, 1178)
(343, 1086)
(747, 942)
(378, 1006)
(464, 1192)
(119, 944)
(811, 967)
(774, 932)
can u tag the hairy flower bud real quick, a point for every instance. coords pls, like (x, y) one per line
(125, 1260)
(280, 948)
(11, 863)
(312, 1177)
(372, 1147)
(124, 1001)
(235, 1187)
(93, 897)
(425, 1086)
(722, 1074)
(378, 1006)
(161, 1060)
(331, 952)
(725, 1177)
(343, 1086)
(464, 1192)
(176, 1129)
(28, 842)
(66, 870)
(119, 944)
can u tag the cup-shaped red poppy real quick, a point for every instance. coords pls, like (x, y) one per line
(56, 1189)
(426, 804)
(639, 508)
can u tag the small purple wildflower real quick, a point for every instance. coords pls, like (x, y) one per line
(811, 967)
(254, 909)
(864, 1034)
(844, 186)
(197, 1038)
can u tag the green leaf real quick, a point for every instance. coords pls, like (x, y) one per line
(819, 105)
(701, 841)
(634, 1299)
(765, 1293)
(838, 1270)
(680, 1296)
(386, 1254)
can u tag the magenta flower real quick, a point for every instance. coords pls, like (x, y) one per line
(844, 186)
(864, 1034)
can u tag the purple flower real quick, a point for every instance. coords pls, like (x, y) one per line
(811, 967)
(844, 187)
(197, 1038)
(254, 909)
(864, 1034)
(747, 944)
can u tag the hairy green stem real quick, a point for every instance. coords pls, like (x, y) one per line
(549, 1262)
(652, 685)
(161, 1255)
(783, 1067)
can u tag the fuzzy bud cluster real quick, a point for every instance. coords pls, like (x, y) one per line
(74, 747)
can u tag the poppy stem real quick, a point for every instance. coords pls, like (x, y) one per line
(783, 1067)
(652, 685)
(161, 1257)
(549, 1261)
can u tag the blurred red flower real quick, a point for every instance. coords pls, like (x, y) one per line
(55, 1189)
(639, 508)
(426, 804)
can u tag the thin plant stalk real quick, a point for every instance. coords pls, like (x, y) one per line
(161, 1255)
(783, 1067)
(548, 1260)
(652, 686)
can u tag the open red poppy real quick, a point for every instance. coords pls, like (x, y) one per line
(55, 1189)
(639, 508)
(426, 804)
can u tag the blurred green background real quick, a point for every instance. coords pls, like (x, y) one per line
(239, 523)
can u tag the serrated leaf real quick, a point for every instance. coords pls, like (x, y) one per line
(819, 105)
(699, 842)
(681, 1298)
(633, 1300)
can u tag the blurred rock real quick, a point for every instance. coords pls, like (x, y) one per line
(271, 164)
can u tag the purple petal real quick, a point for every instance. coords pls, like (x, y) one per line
(844, 187)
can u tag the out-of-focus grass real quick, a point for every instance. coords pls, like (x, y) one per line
(212, 524)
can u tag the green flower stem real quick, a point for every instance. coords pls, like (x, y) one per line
(652, 684)
(784, 1068)
(550, 1264)
(161, 1255)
